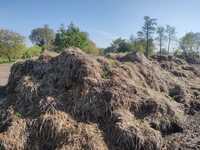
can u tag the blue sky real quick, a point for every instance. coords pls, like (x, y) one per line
(104, 20)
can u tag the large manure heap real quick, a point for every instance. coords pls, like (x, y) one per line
(76, 101)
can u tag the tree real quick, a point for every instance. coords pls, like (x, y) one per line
(43, 36)
(11, 44)
(161, 37)
(190, 44)
(73, 37)
(187, 42)
(137, 45)
(140, 45)
(147, 32)
(133, 41)
(197, 41)
(119, 45)
(171, 31)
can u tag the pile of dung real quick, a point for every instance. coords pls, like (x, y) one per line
(78, 101)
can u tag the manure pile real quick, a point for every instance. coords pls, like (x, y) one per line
(75, 101)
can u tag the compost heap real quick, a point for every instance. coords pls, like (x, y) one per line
(75, 101)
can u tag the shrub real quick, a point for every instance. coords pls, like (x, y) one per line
(32, 51)
(74, 37)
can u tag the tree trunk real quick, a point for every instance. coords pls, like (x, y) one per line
(169, 43)
(147, 46)
(160, 46)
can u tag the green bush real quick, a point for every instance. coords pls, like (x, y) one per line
(91, 48)
(119, 45)
(32, 51)
(74, 37)
(5, 60)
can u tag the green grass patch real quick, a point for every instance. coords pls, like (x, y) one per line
(18, 114)
(6, 61)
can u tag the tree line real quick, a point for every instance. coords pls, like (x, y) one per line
(145, 40)
(12, 44)
(152, 36)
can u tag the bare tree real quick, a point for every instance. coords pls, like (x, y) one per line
(171, 32)
(161, 37)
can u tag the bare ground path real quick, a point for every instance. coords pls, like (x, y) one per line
(4, 74)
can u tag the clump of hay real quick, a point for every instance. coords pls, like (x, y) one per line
(5, 118)
(60, 131)
(129, 133)
(135, 57)
(16, 136)
(178, 93)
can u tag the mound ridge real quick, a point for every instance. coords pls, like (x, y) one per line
(77, 101)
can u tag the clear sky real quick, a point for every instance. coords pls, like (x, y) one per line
(104, 20)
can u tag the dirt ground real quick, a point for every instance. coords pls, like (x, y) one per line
(4, 73)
